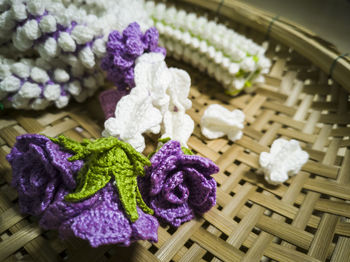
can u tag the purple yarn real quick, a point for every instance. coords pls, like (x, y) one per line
(122, 51)
(38, 168)
(178, 186)
(42, 176)
(109, 99)
(99, 219)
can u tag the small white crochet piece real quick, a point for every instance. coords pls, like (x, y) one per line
(218, 121)
(285, 159)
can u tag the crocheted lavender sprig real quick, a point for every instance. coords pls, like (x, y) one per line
(43, 176)
(122, 51)
(178, 186)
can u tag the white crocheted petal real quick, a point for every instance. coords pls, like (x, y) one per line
(20, 69)
(90, 82)
(82, 34)
(20, 41)
(20, 102)
(178, 126)
(285, 158)
(31, 30)
(134, 115)
(49, 48)
(52, 92)
(19, 11)
(99, 47)
(40, 104)
(66, 42)
(39, 75)
(36, 7)
(61, 75)
(87, 57)
(74, 88)
(48, 24)
(10, 84)
(179, 89)
(5, 70)
(62, 101)
(218, 121)
(152, 73)
(248, 64)
(30, 90)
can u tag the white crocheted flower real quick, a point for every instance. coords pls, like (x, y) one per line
(134, 115)
(218, 121)
(10, 84)
(285, 159)
(159, 99)
(29, 90)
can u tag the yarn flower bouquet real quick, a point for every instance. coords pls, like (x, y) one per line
(105, 190)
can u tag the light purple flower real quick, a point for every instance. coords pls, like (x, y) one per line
(39, 166)
(178, 186)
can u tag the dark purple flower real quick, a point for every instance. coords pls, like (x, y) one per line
(178, 186)
(99, 219)
(39, 166)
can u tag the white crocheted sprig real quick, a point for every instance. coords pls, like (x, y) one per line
(158, 102)
(285, 159)
(232, 59)
(218, 121)
(70, 38)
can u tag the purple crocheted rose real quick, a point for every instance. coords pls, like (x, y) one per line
(178, 186)
(122, 51)
(99, 219)
(39, 166)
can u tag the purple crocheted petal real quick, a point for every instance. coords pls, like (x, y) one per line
(115, 36)
(115, 47)
(171, 213)
(23, 141)
(159, 49)
(150, 39)
(129, 77)
(59, 159)
(109, 99)
(61, 210)
(104, 224)
(133, 30)
(36, 205)
(145, 228)
(209, 203)
(171, 148)
(202, 164)
(200, 187)
(174, 189)
(134, 47)
(159, 173)
(121, 62)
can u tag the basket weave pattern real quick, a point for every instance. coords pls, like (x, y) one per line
(304, 219)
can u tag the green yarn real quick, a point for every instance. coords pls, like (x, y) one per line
(106, 158)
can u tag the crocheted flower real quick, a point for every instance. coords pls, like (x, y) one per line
(99, 219)
(39, 166)
(178, 186)
(107, 158)
(122, 51)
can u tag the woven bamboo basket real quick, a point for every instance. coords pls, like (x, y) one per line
(304, 219)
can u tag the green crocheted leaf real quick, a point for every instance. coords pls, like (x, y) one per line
(187, 151)
(102, 144)
(92, 181)
(126, 183)
(142, 203)
(73, 146)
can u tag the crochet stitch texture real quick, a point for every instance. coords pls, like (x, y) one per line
(178, 186)
(43, 176)
(106, 158)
